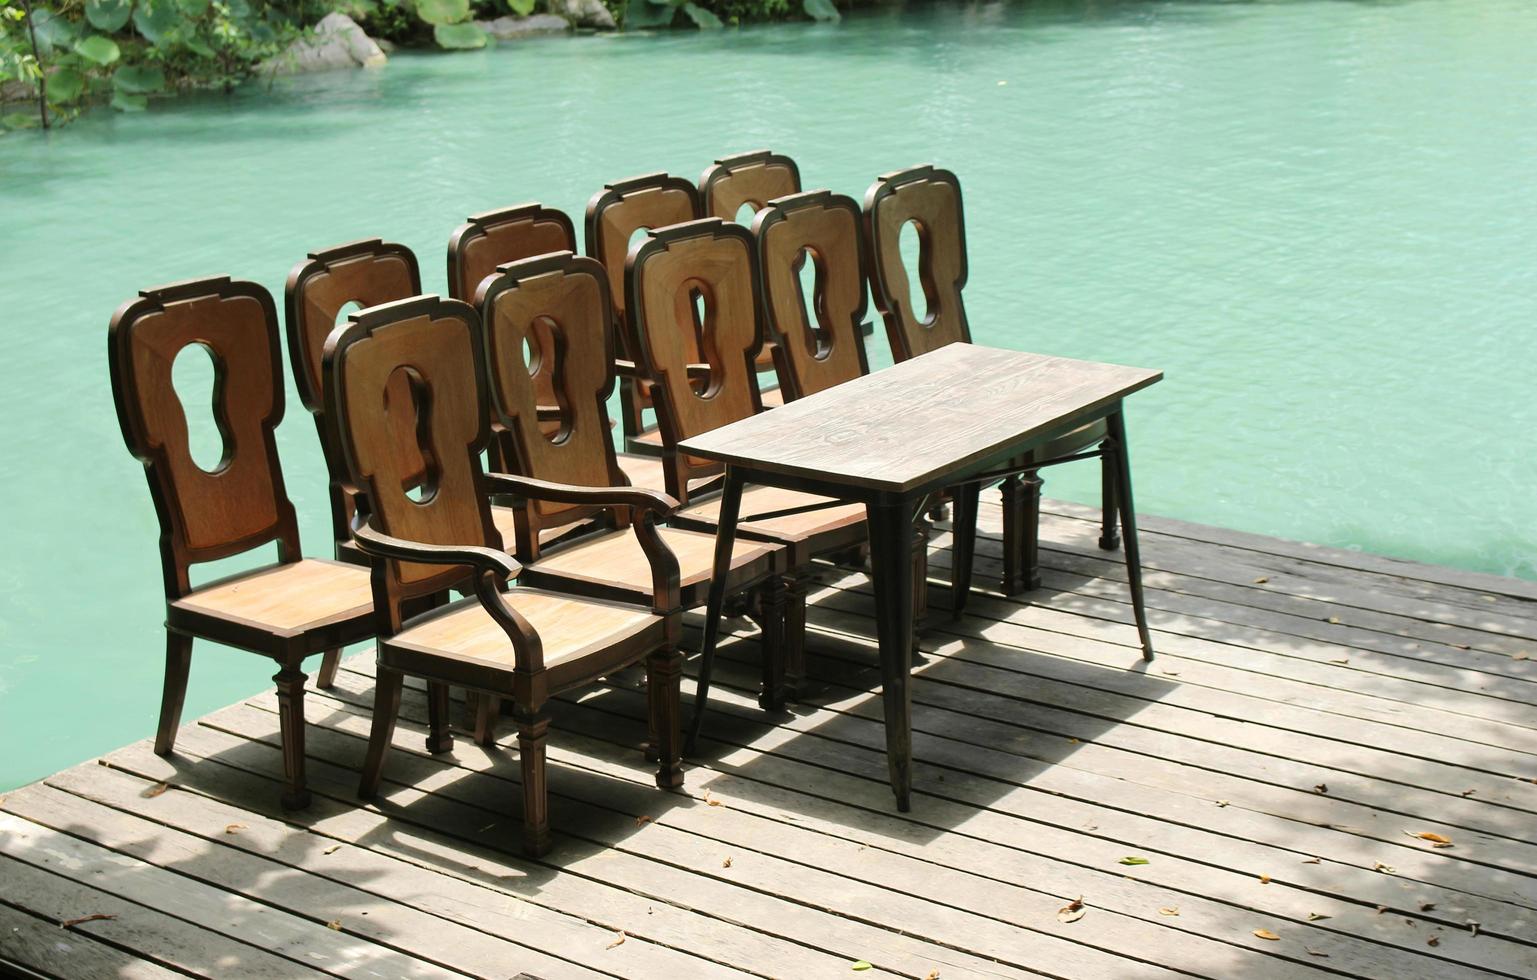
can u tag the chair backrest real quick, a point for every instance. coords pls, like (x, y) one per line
(748, 178)
(241, 503)
(494, 238)
(368, 273)
(564, 297)
(621, 209)
(666, 275)
(931, 200)
(433, 346)
(821, 228)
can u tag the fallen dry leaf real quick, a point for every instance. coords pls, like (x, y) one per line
(1318, 916)
(1473, 925)
(1321, 788)
(1436, 840)
(726, 863)
(860, 965)
(1467, 792)
(1261, 580)
(1335, 620)
(1427, 906)
(234, 828)
(1264, 879)
(1519, 655)
(93, 917)
(1461, 646)
(1384, 868)
(1433, 941)
(1266, 934)
(934, 974)
(333, 849)
(1313, 861)
(1224, 802)
(335, 925)
(155, 790)
(618, 940)
(1169, 910)
(1132, 859)
(1072, 911)
(1342, 660)
(642, 820)
(712, 801)
(1316, 952)
(1381, 909)
(1073, 741)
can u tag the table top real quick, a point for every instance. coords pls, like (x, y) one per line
(900, 428)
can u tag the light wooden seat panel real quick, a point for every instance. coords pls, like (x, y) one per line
(281, 601)
(615, 562)
(806, 534)
(581, 640)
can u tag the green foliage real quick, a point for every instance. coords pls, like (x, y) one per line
(705, 14)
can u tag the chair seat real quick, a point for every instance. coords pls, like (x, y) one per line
(806, 534)
(644, 471)
(772, 397)
(581, 639)
(305, 606)
(614, 562)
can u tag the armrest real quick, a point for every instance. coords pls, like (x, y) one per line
(492, 569)
(635, 498)
(377, 544)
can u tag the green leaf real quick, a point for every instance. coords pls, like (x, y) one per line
(65, 85)
(124, 102)
(53, 31)
(702, 18)
(154, 20)
(860, 965)
(821, 10)
(1134, 860)
(459, 37)
(108, 15)
(644, 13)
(441, 12)
(139, 79)
(193, 8)
(521, 7)
(18, 120)
(102, 50)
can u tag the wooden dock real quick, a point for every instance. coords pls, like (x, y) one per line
(1247, 806)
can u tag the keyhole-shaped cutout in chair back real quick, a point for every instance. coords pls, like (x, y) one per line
(917, 263)
(407, 411)
(745, 213)
(811, 275)
(344, 313)
(195, 378)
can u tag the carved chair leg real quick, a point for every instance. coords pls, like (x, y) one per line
(1013, 529)
(387, 687)
(487, 707)
(178, 662)
(1030, 560)
(290, 684)
(795, 638)
(326, 679)
(439, 738)
(1109, 535)
(533, 732)
(770, 616)
(664, 673)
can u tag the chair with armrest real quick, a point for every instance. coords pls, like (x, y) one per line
(930, 199)
(565, 297)
(667, 275)
(518, 643)
(288, 610)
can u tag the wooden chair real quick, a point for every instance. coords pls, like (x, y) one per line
(930, 199)
(666, 275)
(522, 644)
(566, 298)
(492, 238)
(748, 178)
(288, 610)
(614, 215)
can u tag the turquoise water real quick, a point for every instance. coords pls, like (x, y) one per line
(1319, 218)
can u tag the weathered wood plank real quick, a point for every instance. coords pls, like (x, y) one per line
(31, 943)
(384, 914)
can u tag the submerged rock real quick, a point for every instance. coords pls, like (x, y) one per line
(337, 42)
(510, 28)
(584, 13)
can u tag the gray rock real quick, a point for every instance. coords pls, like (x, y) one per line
(584, 13)
(337, 42)
(510, 28)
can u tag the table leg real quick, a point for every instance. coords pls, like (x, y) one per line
(725, 535)
(891, 575)
(963, 543)
(1121, 459)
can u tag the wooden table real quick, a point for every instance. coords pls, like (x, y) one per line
(956, 417)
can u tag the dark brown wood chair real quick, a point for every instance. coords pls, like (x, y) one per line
(753, 179)
(494, 238)
(669, 274)
(930, 199)
(289, 610)
(565, 298)
(614, 215)
(520, 643)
